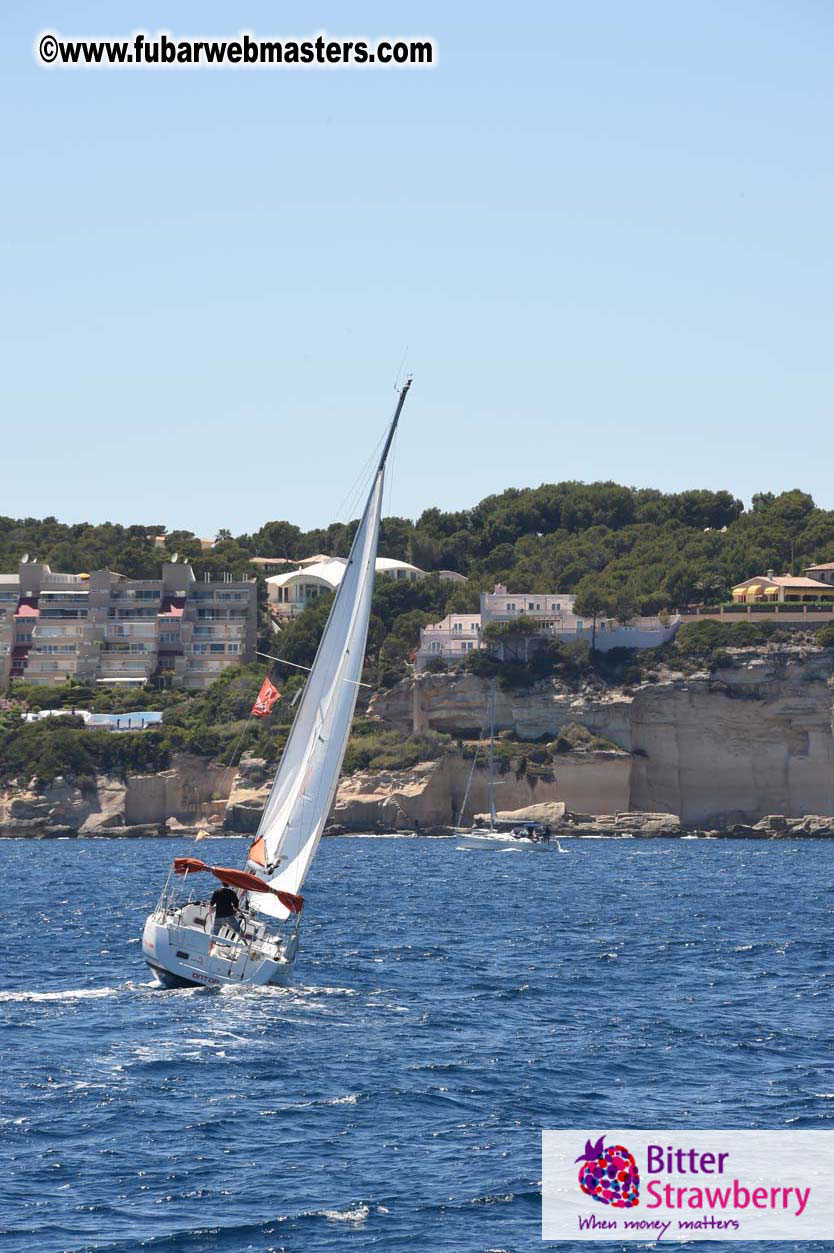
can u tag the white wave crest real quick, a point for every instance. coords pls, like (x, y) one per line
(357, 1214)
(74, 994)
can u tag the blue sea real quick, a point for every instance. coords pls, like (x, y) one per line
(447, 1005)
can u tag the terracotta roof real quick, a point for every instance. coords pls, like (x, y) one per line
(785, 580)
(794, 580)
(823, 565)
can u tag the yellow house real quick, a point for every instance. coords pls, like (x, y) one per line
(781, 588)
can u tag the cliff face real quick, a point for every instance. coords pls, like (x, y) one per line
(758, 741)
(457, 704)
(192, 791)
(432, 793)
(731, 747)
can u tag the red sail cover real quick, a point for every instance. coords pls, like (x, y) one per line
(266, 698)
(238, 879)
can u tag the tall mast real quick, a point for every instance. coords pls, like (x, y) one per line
(393, 427)
(492, 756)
(305, 784)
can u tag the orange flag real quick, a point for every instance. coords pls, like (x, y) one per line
(266, 698)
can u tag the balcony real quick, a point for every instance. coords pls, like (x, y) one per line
(229, 631)
(225, 615)
(71, 632)
(125, 632)
(112, 665)
(543, 616)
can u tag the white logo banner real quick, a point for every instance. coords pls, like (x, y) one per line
(645, 1186)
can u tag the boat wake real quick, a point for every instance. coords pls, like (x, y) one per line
(70, 994)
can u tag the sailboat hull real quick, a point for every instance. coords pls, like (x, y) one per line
(183, 956)
(496, 839)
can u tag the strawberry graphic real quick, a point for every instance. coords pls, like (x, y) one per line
(609, 1175)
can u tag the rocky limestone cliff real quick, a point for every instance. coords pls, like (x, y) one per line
(425, 797)
(192, 792)
(716, 749)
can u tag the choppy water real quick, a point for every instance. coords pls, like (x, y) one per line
(448, 1005)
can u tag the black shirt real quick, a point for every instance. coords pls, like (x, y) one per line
(225, 902)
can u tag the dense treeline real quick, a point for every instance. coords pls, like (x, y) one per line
(648, 548)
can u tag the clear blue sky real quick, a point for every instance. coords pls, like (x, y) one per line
(604, 233)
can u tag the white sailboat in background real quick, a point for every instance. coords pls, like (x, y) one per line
(177, 941)
(488, 831)
(500, 830)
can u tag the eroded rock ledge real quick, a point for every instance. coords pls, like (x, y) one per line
(720, 749)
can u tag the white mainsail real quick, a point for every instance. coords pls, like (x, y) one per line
(305, 785)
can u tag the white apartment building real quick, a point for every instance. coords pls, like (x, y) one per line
(106, 628)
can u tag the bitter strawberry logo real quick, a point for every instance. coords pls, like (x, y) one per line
(609, 1175)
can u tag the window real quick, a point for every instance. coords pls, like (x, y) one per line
(233, 648)
(217, 648)
(200, 648)
(511, 606)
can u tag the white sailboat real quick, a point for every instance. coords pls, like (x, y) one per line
(178, 941)
(495, 831)
(488, 832)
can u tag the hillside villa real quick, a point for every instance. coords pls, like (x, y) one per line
(816, 585)
(292, 591)
(460, 633)
(451, 639)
